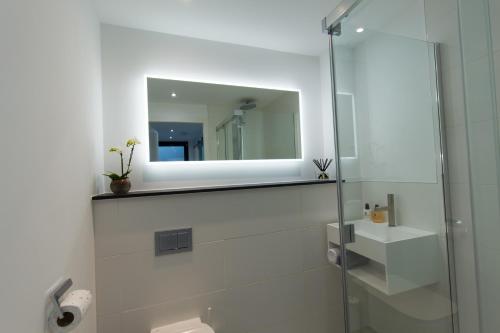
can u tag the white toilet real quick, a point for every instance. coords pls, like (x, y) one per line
(188, 326)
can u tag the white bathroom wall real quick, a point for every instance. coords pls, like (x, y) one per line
(326, 106)
(279, 135)
(51, 129)
(129, 55)
(253, 135)
(259, 262)
(281, 127)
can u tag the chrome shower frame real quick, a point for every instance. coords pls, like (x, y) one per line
(331, 25)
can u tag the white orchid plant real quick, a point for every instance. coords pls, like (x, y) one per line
(131, 143)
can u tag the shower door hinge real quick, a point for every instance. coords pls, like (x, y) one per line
(331, 30)
(336, 30)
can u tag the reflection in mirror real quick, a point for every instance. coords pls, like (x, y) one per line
(347, 117)
(392, 130)
(187, 146)
(193, 121)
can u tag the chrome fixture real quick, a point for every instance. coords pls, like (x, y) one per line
(331, 23)
(390, 210)
(57, 293)
(248, 104)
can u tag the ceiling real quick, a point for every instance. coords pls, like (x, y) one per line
(284, 25)
(160, 90)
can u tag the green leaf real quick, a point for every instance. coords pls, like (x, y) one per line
(113, 176)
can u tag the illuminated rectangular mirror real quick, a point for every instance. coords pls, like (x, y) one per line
(194, 121)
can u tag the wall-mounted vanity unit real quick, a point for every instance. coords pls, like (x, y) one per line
(399, 258)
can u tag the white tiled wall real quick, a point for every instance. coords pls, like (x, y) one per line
(472, 133)
(259, 262)
(129, 55)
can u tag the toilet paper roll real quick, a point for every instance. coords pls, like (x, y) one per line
(334, 256)
(74, 307)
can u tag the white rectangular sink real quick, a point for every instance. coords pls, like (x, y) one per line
(402, 258)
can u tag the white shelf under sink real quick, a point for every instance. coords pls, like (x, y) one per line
(370, 275)
(399, 258)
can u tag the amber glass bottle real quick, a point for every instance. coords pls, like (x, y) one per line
(377, 216)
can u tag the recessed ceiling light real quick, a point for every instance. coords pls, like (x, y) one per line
(170, 138)
(171, 131)
(174, 95)
(360, 30)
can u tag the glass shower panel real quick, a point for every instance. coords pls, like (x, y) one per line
(230, 140)
(481, 56)
(389, 145)
(237, 140)
(221, 144)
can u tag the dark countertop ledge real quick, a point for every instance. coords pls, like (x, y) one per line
(204, 189)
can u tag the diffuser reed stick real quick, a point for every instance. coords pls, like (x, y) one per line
(322, 165)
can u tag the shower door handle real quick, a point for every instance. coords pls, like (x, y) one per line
(349, 233)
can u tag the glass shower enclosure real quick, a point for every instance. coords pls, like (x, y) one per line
(394, 255)
(230, 138)
(479, 161)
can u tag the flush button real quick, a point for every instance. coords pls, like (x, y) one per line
(168, 242)
(184, 240)
(173, 241)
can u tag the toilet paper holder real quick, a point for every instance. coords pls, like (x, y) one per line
(57, 293)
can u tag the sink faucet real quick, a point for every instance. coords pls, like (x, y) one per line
(390, 210)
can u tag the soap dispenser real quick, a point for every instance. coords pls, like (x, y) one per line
(377, 216)
(366, 211)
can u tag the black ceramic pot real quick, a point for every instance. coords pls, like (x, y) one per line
(120, 186)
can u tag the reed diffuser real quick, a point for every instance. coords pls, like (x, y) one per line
(322, 165)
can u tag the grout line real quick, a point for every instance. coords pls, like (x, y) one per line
(273, 278)
(123, 254)
(299, 229)
(221, 291)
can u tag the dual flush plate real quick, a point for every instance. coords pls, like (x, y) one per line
(173, 241)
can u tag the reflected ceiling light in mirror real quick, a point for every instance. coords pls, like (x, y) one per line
(360, 30)
(174, 95)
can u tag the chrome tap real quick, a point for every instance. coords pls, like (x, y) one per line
(390, 210)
